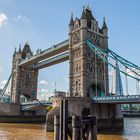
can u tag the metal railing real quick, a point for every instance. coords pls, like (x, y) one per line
(117, 99)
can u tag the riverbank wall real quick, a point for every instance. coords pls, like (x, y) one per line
(22, 119)
(11, 113)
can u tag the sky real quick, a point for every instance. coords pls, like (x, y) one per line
(44, 23)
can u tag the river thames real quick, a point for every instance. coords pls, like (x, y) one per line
(37, 131)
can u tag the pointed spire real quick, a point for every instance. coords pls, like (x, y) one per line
(26, 49)
(27, 44)
(104, 26)
(15, 49)
(88, 7)
(71, 20)
(83, 16)
(19, 51)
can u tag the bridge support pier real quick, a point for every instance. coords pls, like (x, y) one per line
(108, 115)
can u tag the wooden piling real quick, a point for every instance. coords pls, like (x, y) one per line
(93, 128)
(65, 119)
(76, 128)
(61, 121)
(56, 127)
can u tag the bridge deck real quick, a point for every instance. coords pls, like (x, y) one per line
(50, 52)
(117, 99)
(52, 61)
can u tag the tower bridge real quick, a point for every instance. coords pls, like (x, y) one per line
(89, 58)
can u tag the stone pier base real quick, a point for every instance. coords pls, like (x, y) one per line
(109, 116)
(109, 124)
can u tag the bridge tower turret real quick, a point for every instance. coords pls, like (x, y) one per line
(88, 74)
(24, 79)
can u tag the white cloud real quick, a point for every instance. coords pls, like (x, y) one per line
(3, 19)
(22, 18)
(43, 93)
(44, 90)
(43, 82)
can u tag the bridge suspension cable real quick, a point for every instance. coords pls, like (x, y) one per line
(134, 70)
(126, 82)
(105, 77)
(5, 87)
(127, 68)
(96, 75)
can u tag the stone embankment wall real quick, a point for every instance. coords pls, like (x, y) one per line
(9, 109)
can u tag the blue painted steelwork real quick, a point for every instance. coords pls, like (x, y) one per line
(134, 70)
(117, 99)
(5, 87)
(56, 59)
(39, 56)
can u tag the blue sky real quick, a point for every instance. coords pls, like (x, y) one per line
(45, 22)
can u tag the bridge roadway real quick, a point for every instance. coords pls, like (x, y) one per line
(52, 61)
(48, 53)
(130, 99)
(34, 105)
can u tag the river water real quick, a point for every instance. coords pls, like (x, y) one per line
(37, 131)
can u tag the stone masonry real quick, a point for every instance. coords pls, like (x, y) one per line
(88, 73)
(24, 79)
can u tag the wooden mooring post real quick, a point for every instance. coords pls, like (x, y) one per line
(76, 127)
(56, 127)
(92, 128)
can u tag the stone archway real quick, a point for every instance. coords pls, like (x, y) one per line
(25, 98)
(95, 90)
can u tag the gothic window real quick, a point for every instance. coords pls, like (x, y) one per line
(76, 69)
(76, 55)
(89, 24)
(27, 76)
(76, 85)
(79, 54)
(93, 28)
(79, 69)
(76, 26)
(76, 37)
(79, 86)
(96, 29)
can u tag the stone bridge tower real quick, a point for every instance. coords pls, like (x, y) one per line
(88, 73)
(24, 79)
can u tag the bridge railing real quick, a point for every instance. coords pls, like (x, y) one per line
(117, 99)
